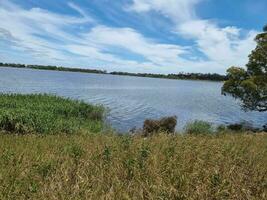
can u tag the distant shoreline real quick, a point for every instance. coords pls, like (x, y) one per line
(179, 76)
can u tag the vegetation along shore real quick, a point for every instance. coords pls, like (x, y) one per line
(48, 114)
(56, 148)
(133, 100)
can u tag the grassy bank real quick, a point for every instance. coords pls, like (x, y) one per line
(46, 114)
(43, 156)
(230, 166)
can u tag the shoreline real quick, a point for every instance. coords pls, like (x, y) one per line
(56, 148)
(143, 75)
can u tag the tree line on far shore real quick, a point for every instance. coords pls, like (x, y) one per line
(50, 67)
(181, 75)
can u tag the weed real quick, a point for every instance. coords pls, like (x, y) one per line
(74, 150)
(106, 154)
(198, 127)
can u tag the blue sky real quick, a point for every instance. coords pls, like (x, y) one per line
(152, 36)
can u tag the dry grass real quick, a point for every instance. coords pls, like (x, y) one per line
(230, 166)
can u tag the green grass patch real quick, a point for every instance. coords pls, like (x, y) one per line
(198, 127)
(48, 114)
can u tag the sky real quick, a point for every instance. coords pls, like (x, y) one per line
(145, 36)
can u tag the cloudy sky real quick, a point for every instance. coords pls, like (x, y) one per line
(158, 36)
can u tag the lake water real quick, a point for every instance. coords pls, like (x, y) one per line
(131, 100)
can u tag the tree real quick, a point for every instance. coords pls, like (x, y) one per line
(250, 84)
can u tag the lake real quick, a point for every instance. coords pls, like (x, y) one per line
(131, 100)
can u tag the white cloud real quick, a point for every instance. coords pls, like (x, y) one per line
(222, 46)
(132, 41)
(178, 10)
(80, 11)
(43, 35)
(26, 28)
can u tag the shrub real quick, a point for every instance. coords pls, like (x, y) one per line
(235, 127)
(165, 124)
(198, 127)
(243, 126)
(221, 128)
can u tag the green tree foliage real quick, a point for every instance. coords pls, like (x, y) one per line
(250, 84)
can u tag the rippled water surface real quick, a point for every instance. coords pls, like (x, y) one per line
(132, 99)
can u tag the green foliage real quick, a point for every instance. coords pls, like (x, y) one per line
(250, 85)
(143, 156)
(74, 150)
(106, 154)
(198, 127)
(45, 169)
(46, 114)
(129, 165)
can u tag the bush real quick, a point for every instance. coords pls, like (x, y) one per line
(243, 126)
(46, 114)
(165, 124)
(235, 127)
(198, 127)
(221, 128)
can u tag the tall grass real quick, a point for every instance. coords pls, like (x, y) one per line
(49, 165)
(123, 167)
(45, 114)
